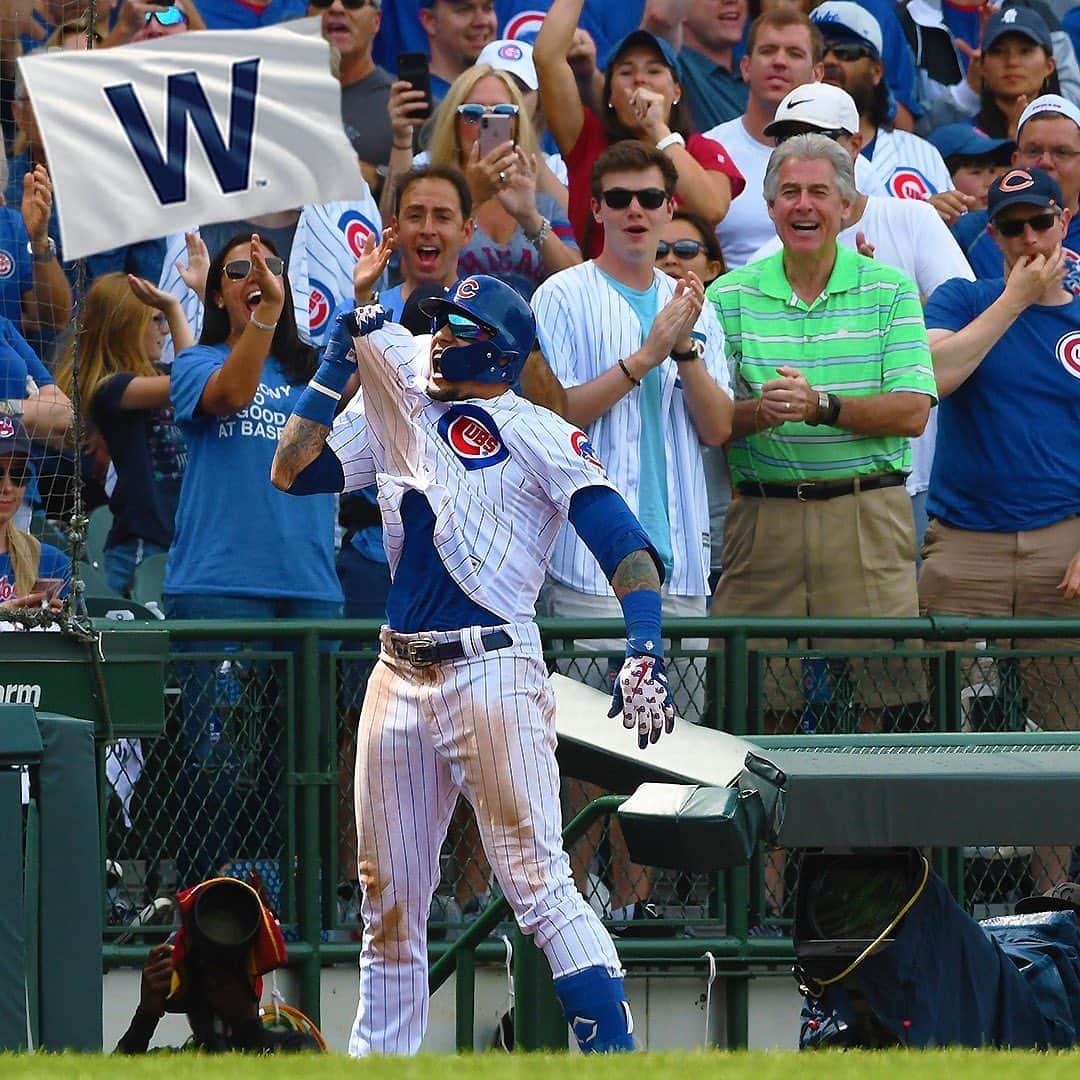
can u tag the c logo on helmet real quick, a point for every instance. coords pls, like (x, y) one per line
(1016, 180)
(7, 428)
(319, 307)
(7, 265)
(511, 52)
(584, 449)
(473, 436)
(908, 183)
(1068, 352)
(357, 229)
(467, 289)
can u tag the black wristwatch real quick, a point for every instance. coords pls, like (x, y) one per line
(693, 353)
(828, 410)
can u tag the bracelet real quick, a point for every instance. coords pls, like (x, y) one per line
(268, 327)
(626, 372)
(537, 239)
(401, 146)
(671, 140)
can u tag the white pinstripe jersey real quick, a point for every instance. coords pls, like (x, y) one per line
(585, 328)
(498, 473)
(329, 239)
(911, 167)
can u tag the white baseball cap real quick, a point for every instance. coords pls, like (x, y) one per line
(1049, 103)
(516, 57)
(844, 20)
(821, 105)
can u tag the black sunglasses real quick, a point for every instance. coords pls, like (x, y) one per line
(684, 249)
(1014, 227)
(348, 5)
(847, 51)
(239, 269)
(619, 198)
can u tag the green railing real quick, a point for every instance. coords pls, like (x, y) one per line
(253, 775)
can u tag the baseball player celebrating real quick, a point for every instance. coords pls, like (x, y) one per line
(474, 484)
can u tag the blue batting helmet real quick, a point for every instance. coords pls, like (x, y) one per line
(498, 309)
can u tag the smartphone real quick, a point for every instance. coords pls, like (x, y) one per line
(413, 68)
(494, 131)
(50, 586)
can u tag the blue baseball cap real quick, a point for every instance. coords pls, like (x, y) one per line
(1018, 20)
(651, 41)
(962, 140)
(13, 438)
(844, 20)
(1024, 187)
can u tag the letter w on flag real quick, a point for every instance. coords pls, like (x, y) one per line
(151, 139)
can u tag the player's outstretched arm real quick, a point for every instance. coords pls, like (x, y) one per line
(301, 443)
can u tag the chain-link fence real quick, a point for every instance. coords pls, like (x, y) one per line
(250, 731)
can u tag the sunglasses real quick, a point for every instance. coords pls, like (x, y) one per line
(684, 249)
(473, 114)
(619, 198)
(463, 327)
(847, 52)
(348, 5)
(17, 471)
(171, 16)
(1039, 222)
(239, 269)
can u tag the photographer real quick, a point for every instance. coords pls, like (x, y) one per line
(212, 971)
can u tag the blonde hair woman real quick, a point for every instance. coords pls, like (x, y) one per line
(522, 234)
(126, 395)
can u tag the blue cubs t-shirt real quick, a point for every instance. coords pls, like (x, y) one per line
(236, 534)
(54, 564)
(1008, 452)
(16, 270)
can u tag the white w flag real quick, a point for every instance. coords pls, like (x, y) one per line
(146, 139)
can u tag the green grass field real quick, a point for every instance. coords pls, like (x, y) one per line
(922, 1065)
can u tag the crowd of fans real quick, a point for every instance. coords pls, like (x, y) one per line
(611, 162)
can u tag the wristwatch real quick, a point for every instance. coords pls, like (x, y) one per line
(828, 409)
(11, 407)
(45, 256)
(671, 140)
(693, 353)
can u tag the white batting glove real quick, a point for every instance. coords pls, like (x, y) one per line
(364, 320)
(641, 694)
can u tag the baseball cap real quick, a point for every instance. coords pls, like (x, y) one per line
(1063, 897)
(962, 140)
(643, 37)
(821, 105)
(516, 57)
(1049, 103)
(13, 438)
(1026, 187)
(842, 20)
(412, 317)
(1017, 20)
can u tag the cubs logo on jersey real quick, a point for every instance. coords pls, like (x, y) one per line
(909, 183)
(357, 229)
(584, 449)
(1068, 353)
(7, 264)
(320, 306)
(473, 436)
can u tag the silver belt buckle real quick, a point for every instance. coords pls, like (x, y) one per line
(416, 649)
(807, 484)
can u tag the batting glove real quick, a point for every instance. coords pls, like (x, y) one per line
(364, 320)
(641, 694)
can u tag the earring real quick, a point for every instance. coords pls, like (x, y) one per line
(675, 102)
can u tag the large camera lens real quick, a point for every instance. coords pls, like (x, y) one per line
(226, 915)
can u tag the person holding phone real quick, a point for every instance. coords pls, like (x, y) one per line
(483, 128)
(32, 574)
(642, 99)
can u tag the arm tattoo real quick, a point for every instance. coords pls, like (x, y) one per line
(301, 443)
(636, 571)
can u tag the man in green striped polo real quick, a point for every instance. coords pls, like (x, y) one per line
(831, 362)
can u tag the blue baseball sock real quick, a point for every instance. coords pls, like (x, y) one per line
(597, 1010)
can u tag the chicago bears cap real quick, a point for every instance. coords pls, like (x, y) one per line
(820, 105)
(1017, 20)
(1027, 187)
(516, 57)
(842, 20)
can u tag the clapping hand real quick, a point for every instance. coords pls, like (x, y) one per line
(198, 265)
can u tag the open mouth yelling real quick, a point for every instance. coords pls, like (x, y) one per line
(427, 257)
(251, 301)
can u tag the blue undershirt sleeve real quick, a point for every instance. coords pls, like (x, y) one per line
(322, 475)
(609, 528)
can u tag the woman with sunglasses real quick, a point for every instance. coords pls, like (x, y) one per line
(125, 391)
(521, 235)
(687, 245)
(31, 573)
(641, 100)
